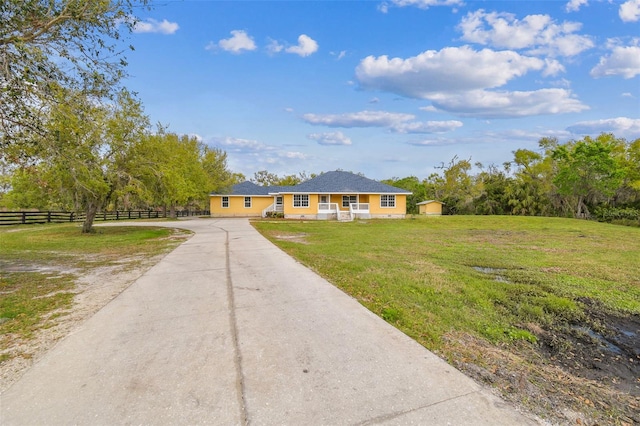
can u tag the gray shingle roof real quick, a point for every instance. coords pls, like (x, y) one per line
(329, 183)
(346, 183)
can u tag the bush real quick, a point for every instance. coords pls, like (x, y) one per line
(275, 215)
(623, 216)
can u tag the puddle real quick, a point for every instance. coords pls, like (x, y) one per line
(496, 272)
(598, 337)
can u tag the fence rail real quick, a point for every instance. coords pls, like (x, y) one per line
(31, 217)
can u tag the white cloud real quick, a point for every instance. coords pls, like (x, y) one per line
(427, 127)
(331, 138)
(294, 155)
(422, 4)
(575, 5)
(306, 46)
(274, 47)
(628, 95)
(152, 26)
(241, 146)
(630, 11)
(339, 55)
(238, 42)
(358, 119)
(620, 126)
(488, 104)
(624, 61)
(433, 142)
(538, 33)
(451, 69)
(457, 80)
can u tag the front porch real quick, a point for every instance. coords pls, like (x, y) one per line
(328, 211)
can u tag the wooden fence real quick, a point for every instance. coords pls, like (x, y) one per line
(31, 217)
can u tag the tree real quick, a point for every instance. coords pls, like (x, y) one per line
(457, 188)
(530, 191)
(492, 185)
(88, 156)
(413, 184)
(50, 44)
(588, 172)
(178, 170)
(219, 178)
(265, 178)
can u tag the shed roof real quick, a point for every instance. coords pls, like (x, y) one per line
(429, 202)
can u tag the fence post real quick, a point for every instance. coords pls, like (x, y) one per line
(49, 216)
(24, 217)
(117, 215)
(71, 217)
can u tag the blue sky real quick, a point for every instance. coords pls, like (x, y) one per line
(386, 88)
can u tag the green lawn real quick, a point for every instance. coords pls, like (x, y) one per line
(524, 284)
(482, 274)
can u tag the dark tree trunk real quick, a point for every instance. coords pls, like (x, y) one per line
(172, 211)
(92, 209)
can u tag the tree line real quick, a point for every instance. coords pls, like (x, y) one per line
(586, 178)
(71, 135)
(96, 156)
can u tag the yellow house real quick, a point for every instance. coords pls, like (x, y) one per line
(430, 207)
(332, 195)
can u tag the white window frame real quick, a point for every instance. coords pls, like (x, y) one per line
(388, 201)
(348, 199)
(245, 202)
(224, 200)
(302, 201)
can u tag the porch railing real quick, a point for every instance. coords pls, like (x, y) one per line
(328, 208)
(359, 207)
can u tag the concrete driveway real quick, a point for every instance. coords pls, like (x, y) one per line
(229, 330)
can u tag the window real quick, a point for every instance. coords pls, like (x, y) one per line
(348, 199)
(388, 200)
(225, 202)
(300, 200)
(324, 199)
(247, 202)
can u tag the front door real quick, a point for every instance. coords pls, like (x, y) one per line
(279, 203)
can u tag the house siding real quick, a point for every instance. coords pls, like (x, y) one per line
(300, 212)
(236, 206)
(399, 211)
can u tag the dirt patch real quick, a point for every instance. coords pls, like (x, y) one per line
(586, 373)
(295, 238)
(94, 289)
(604, 348)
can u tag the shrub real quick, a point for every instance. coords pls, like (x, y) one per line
(623, 216)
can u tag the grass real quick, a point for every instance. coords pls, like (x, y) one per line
(429, 275)
(481, 289)
(39, 265)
